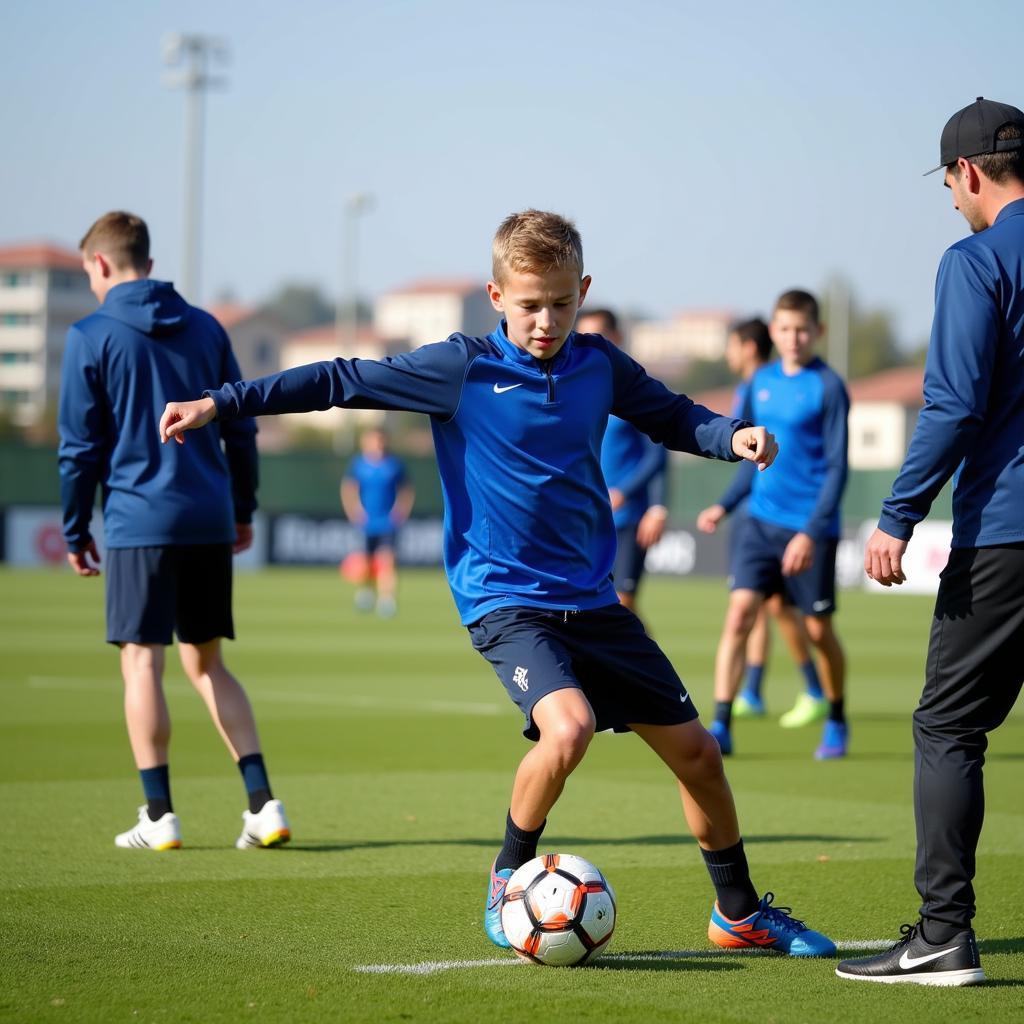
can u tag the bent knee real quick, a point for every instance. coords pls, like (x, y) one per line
(569, 739)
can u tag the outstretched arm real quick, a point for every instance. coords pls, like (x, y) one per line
(428, 380)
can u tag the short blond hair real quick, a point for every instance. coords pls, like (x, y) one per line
(535, 242)
(122, 237)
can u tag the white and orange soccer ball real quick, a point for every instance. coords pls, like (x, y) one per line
(558, 910)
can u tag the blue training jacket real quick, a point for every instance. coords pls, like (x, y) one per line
(972, 422)
(144, 347)
(518, 441)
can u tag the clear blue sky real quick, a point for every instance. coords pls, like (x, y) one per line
(712, 155)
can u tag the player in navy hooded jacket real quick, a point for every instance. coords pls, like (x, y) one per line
(170, 517)
(518, 419)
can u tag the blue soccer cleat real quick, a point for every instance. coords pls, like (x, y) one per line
(771, 928)
(748, 705)
(492, 907)
(833, 741)
(721, 734)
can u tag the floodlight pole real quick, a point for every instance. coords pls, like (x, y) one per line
(839, 327)
(346, 323)
(197, 52)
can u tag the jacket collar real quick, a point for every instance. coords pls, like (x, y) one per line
(512, 351)
(1014, 209)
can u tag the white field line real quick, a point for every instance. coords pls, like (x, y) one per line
(343, 700)
(436, 966)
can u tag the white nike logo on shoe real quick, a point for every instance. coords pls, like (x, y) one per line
(908, 962)
(499, 390)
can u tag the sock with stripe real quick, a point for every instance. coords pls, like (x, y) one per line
(723, 712)
(836, 710)
(730, 875)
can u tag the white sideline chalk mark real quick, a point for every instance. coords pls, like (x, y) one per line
(343, 700)
(436, 966)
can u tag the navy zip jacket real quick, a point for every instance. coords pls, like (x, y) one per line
(518, 440)
(144, 347)
(972, 422)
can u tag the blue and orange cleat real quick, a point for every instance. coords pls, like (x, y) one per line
(771, 928)
(834, 739)
(492, 907)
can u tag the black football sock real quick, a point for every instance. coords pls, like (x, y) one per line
(156, 785)
(520, 845)
(728, 869)
(257, 785)
(837, 710)
(723, 712)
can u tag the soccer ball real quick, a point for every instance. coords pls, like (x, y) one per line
(558, 910)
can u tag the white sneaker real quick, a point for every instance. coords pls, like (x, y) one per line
(387, 607)
(364, 599)
(268, 828)
(162, 834)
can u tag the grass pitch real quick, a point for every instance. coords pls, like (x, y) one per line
(393, 746)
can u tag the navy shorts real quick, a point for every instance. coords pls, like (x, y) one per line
(374, 542)
(756, 564)
(629, 560)
(179, 588)
(604, 652)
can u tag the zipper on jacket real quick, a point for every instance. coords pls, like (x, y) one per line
(551, 382)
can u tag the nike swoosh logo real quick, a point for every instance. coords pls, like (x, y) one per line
(683, 698)
(820, 606)
(499, 390)
(908, 962)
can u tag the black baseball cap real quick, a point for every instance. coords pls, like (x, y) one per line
(972, 131)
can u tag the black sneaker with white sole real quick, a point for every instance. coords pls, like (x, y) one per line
(915, 961)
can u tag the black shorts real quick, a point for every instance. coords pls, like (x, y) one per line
(180, 588)
(604, 652)
(374, 542)
(756, 564)
(629, 560)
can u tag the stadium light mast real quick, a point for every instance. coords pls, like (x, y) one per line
(196, 53)
(346, 321)
(839, 327)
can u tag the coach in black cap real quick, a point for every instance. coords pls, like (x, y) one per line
(972, 421)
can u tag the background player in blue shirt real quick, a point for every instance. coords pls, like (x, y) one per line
(170, 518)
(635, 470)
(747, 349)
(790, 540)
(377, 497)
(518, 418)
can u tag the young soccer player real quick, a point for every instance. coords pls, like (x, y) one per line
(171, 516)
(789, 542)
(518, 419)
(749, 348)
(634, 469)
(377, 497)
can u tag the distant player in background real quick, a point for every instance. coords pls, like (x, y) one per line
(171, 516)
(377, 497)
(634, 469)
(529, 542)
(790, 540)
(749, 347)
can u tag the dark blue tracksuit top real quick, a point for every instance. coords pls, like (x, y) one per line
(972, 422)
(518, 441)
(144, 347)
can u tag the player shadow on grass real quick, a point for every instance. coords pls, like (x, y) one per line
(563, 842)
